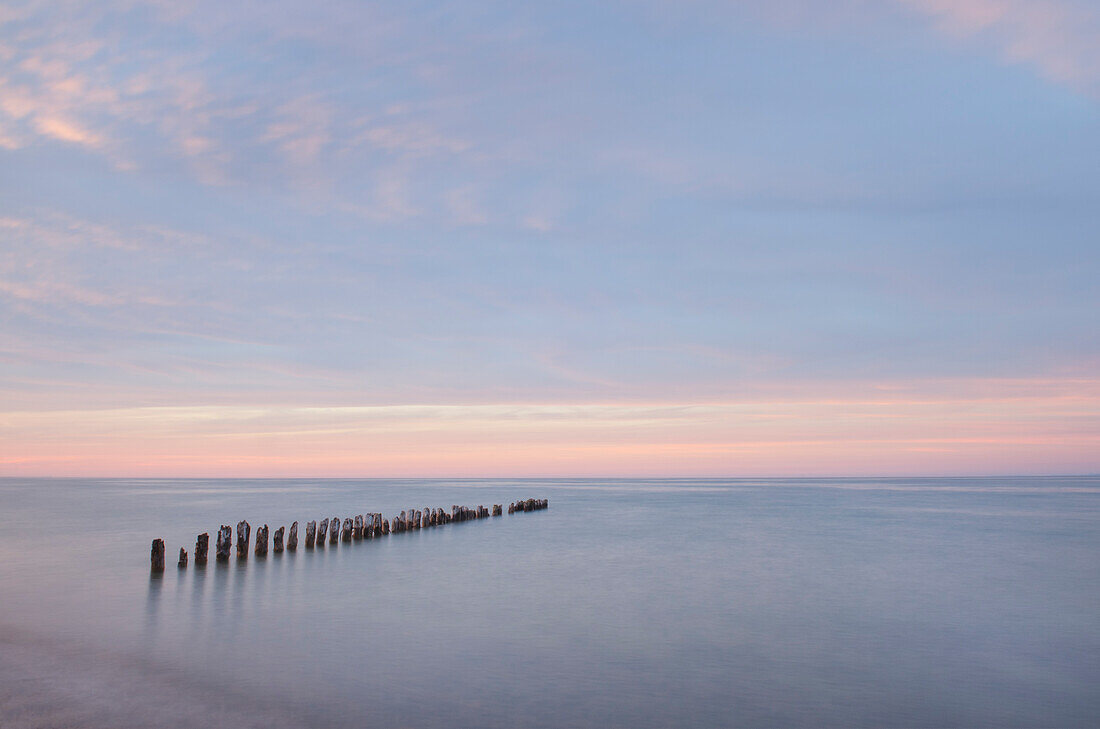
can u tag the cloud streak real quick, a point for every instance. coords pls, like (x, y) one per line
(1020, 433)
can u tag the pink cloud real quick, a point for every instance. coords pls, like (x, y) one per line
(1060, 38)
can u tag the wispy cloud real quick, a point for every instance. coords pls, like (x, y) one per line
(1061, 38)
(208, 88)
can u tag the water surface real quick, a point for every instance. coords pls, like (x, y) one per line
(628, 603)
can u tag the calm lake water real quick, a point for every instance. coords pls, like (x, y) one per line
(628, 603)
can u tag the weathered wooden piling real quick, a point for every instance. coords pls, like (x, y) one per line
(261, 541)
(202, 546)
(363, 526)
(529, 505)
(244, 532)
(224, 544)
(156, 555)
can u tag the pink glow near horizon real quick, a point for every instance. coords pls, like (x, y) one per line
(1053, 431)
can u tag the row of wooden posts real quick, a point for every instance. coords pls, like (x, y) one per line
(362, 526)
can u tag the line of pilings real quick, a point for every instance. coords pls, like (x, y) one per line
(371, 525)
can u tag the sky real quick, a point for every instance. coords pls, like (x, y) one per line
(476, 239)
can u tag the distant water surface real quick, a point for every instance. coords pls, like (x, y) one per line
(628, 603)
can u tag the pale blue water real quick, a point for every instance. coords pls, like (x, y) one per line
(710, 603)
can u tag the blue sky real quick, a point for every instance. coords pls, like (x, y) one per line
(547, 205)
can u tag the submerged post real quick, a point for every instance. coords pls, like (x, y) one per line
(292, 538)
(202, 546)
(156, 555)
(225, 543)
(244, 532)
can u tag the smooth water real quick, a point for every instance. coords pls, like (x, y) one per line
(628, 603)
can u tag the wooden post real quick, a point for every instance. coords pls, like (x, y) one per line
(311, 534)
(183, 559)
(292, 538)
(261, 541)
(357, 527)
(202, 546)
(244, 533)
(225, 543)
(346, 532)
(385, 526)
(277, 540)
(334, 530)
(498, 509)
(322, 532)
(156, 555)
